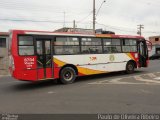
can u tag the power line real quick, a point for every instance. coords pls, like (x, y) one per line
(127, 29)
(151, 32)
(117, 28)
(24, 20)
(50, 21)
(32, 7)
(100, 7)
(85, 17)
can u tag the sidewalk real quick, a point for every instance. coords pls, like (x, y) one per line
(4, 72)
(5, 75)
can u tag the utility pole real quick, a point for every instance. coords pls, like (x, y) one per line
(74, 25)
(64, 19)
(94, 15)
(140, 27)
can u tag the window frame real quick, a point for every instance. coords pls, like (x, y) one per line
(111, 45)
(1, 39)
(101, 45)
(102, 39)
(134, 39)
(54, 46)
(25, 45)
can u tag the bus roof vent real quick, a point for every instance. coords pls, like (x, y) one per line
(101, 31)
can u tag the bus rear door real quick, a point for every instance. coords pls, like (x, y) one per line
(44, 59)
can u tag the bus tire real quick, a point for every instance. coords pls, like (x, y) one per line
(130, 67)
(67, 75)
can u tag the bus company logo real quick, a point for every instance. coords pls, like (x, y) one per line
(111, 58)
(93, 58)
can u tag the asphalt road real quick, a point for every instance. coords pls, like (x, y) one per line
(107, 93)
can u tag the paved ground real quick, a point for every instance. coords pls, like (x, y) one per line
(148, 79)
(107, 93)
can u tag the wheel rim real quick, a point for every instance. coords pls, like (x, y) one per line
(130, 67)
(68, 75)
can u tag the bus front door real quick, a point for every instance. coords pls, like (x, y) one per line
(143, 54)
(44, 59)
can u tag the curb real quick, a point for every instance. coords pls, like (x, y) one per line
(4, 76)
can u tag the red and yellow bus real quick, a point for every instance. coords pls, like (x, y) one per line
(41, 55)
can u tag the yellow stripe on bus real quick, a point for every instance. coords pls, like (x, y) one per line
(81, 70)
(130, 55)
(58, 62)
(87, 71)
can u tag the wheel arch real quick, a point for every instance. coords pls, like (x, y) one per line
(135, 64)
(69, 65)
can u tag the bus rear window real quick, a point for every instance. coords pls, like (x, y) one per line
(25, 40)
(26, 46)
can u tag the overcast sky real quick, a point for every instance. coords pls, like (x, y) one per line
(121, 16)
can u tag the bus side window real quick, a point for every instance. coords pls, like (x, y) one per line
(91, 45)
(129, 45)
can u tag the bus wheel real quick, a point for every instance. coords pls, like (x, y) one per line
(130, 67)
(67, 75)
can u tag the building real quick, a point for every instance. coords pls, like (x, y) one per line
(4, 36)
(155, 40)
(77, 30)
